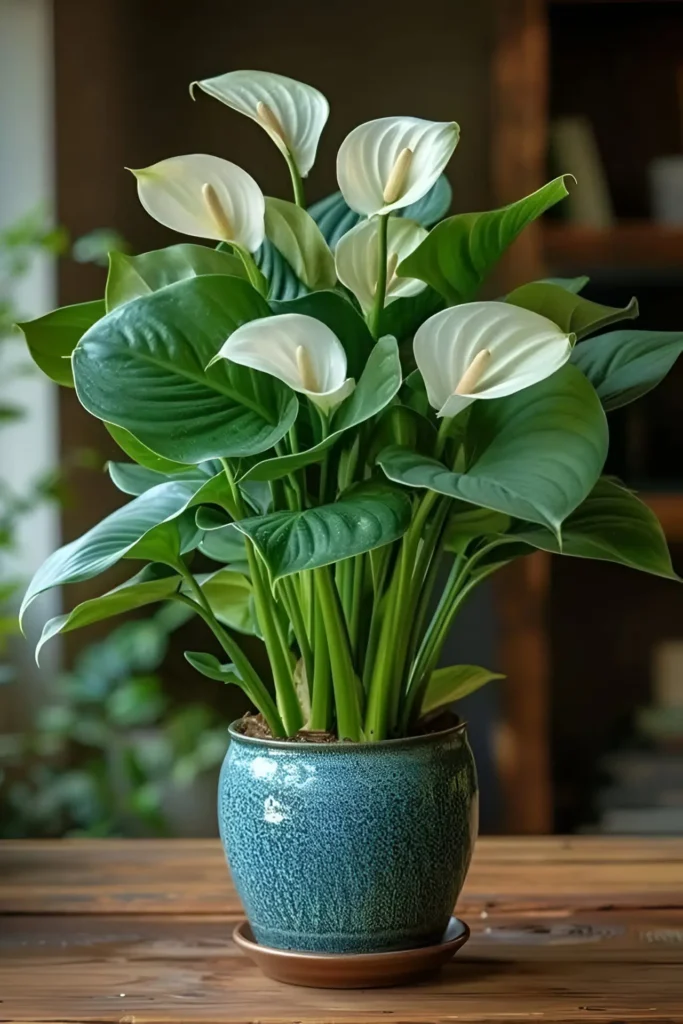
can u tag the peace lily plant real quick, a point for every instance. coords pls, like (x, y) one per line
(320, 415)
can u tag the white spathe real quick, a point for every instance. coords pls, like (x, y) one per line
(293, 113)
(357, 258)
(297, 349)
(206, 197)
(392, 162)
(486, 350)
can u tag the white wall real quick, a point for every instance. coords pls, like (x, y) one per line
(29, 448)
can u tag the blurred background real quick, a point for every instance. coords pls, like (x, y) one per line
(114, 735)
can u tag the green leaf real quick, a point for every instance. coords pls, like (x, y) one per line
(453, 683)
(224, 545)
(458, 253)
(142, 455)
(402, 317)
(571, 284)
(297, 237)
(534, 455)
(144, 368)
(335, 218)
(365, 518)
(465, 525)
(283, 284)
(571, 312)
(209, 666)
(131, 531)
(229, 594)
(153, 583)
(132, 276)
(611, 525)
(334, 310)
(52, 338)
(378, 385)
(624, 365)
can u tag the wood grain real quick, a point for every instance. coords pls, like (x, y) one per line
(139, 932)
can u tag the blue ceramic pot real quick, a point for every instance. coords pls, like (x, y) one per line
(349, 847)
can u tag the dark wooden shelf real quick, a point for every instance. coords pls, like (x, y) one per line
(641, 245)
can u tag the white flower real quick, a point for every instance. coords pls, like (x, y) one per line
(356, 259)
(206, 197)
(293, 114)
(297, 349)
(486, 350)
(392, 162)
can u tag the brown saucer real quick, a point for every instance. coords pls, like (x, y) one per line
(352, 970)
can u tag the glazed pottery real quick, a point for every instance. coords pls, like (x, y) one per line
(349, 847)
(352, 970)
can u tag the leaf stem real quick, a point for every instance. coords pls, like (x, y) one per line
(375, 317)
(297, 182)
(344, 681)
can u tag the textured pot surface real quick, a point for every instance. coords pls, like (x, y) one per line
(349, 848)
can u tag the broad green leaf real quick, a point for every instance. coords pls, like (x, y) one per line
(229, 594)
(571, 312)
(130, 478)
(297, 237)
(334, 310)
(154, 583)
(117, 536)
(534, 455)
(453, 683)
(282, 282)
(208, 665)
(378, 385)
(404, 315)
(335, 218)
(469, 523)
(611, 525)
(52, 338)
(458, 253)
(224, 545)
(132, 276)
(624, 365)
(363, 519)
(571, 284)
(139, 452)
(144, 368)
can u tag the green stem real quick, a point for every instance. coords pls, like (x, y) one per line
(321, 700)
(344, 681)
(293, 609)
(297, 183)
(256, 689)
(375, 317)
(276, 642)
(356, 600)
(256, 278)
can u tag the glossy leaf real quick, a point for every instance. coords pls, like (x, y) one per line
(611, 525)
(624, 365)
(378, 385)
(535, 455)
(453, 683)
(334, 217)
(224, 545)
(298, 239)
(283, 284)
(366, 518)
(144, 368)
(208, 665)
(154, 583)
(459, 253)
(133, 276)
(571, 312)
(52, 338)
(571, 284)
(229, 594)
(119, 535)
(142, 455)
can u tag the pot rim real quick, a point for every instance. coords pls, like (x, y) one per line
(347, 747)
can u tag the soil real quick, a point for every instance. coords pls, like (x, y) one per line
(257, 727)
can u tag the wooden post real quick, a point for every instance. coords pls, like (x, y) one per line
(519, 125)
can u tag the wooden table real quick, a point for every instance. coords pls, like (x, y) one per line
(137, 931)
